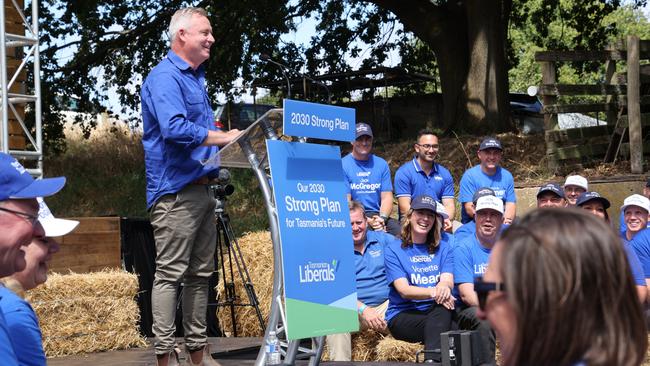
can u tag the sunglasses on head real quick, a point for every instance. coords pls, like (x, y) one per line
(483, 288)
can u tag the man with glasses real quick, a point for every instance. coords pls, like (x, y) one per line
(470, 262)
(488, 173)
(423, 176)
(574, 186)
(18, 225)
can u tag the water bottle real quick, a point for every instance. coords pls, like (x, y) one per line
(273, 356)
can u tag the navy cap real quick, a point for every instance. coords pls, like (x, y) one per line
(647, 184)
(585, 197)
(17, 183)
(424, 202)
(551, 187)
(490, 143)
(363, 129)
(482, 192)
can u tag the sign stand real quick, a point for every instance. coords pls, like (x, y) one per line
(249, 150)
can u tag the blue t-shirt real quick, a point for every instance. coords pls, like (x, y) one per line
(7, 342)
(176, 117)
(641, 245)
(372, 288)
(411, 181)
(366, 179)
(501, 183)
(470, 262)
(621, 223)
(419, 268)
(464, 231)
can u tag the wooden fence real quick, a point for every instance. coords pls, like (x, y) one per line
(574, 148)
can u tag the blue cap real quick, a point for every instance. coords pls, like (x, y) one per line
(490, 143)
(585, 197)
(363, 129)
(551, 187)
(482, 192)
(424, 202)
(17, 183)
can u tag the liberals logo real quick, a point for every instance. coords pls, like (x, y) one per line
(318, 272)
(363, 174)
(420, 258)
(428, 200)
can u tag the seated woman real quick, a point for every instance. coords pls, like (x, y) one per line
(557, 292)
(21, 319)
(419, 269)
(598, 205)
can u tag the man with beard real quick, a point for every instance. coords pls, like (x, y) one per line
(470, 262)
(423, 176)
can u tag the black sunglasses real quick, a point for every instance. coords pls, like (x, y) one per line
(483, 288)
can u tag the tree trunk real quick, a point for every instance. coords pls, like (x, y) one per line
(468, 38)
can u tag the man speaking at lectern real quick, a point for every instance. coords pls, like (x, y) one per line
(178, 135)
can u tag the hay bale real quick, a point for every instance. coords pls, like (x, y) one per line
(391, 349)
(257, 251)
(83, 313)
(364, 345)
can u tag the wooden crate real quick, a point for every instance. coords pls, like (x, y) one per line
(94, 245)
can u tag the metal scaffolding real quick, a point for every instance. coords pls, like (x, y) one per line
(24, 47)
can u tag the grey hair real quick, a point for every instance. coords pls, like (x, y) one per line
(181, 18)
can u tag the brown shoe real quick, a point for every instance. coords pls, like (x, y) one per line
(206, 357)
(168, 359)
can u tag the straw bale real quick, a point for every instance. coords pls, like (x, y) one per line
(106, 283)
(82, 313)
(257, 251)
(391, 349)
(364, 344)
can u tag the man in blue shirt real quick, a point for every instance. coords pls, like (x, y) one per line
(178, 135)
(368, 179)
(646, 193)
(488, 174)
(372, 288)
(423, 176)
(19, 225)
(470, 262)
(469, 228)
(574, 186)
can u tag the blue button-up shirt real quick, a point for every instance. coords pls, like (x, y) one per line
(372, 288)
(177, 116)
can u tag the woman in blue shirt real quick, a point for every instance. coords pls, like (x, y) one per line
(419, 269)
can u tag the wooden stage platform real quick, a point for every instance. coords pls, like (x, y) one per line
(227, 351)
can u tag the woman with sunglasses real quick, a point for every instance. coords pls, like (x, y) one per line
(597, 205)
(557, 292)
(419, 269)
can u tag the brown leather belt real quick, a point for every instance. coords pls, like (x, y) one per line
(202, 181)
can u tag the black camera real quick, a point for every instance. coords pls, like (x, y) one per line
(462, 348)
(222, 186)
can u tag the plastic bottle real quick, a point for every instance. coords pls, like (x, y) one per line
(273, 355)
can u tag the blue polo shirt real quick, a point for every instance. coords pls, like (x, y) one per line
(24, 329)
(419, 268)
(464, 231)
(177, 116)
(366, 179)
(411, 181)
(7, 353)
(502, 183)
(641, 245)
(372, 288)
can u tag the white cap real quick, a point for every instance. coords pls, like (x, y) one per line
(489, 202)
(53, 227)
(636, 200)
(440, 210)
(577, 180)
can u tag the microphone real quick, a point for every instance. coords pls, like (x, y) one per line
(268, 59)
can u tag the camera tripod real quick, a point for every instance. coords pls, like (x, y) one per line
(228, 247)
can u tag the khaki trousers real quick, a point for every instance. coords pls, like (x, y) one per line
(185, 232)
(340, 345)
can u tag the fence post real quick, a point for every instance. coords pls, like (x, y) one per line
(634, 105)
